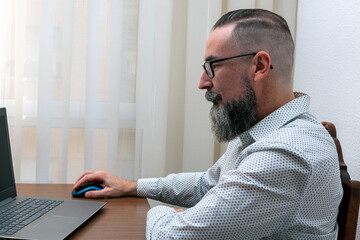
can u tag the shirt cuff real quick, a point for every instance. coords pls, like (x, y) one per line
(147, 187)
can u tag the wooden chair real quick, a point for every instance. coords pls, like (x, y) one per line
(349, 206)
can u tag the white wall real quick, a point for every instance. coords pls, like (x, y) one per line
(327, 67)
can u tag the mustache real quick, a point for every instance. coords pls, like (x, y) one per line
(213, 97)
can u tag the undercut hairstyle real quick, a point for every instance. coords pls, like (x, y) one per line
(261, 30)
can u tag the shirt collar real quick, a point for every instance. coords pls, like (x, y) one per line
(277, 119)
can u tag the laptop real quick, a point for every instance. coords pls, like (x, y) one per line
(44, 218)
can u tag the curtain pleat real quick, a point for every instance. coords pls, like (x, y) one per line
(92, 68)
(152, 81)
(15, 72)
(115, 69)
(46, 59)
(66, 47)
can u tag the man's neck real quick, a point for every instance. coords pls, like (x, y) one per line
(271, 102)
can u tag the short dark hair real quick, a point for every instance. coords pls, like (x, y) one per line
(259, 29)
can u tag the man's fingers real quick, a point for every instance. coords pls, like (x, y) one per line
(95, 194)
(179, 209)
(83, 175)
(87, 177)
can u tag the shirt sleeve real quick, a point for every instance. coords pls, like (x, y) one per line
(235, 208)
(182, 189)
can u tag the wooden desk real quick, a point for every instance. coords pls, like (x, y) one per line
(120, 218)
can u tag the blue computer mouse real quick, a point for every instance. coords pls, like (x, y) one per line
(89, 186)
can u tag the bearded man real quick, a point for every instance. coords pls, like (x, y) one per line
(279, 177)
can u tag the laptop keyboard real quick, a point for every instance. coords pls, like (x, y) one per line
(22, 213)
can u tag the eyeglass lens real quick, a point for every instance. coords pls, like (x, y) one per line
(208, 70)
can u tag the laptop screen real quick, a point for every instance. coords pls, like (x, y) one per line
(7, 182)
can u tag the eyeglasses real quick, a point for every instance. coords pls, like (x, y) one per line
(209, 68)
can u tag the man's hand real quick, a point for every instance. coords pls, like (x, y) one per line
(113, 186)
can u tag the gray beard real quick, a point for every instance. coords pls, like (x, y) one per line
(231, 119)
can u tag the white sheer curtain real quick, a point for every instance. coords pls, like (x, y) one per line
(112, 85)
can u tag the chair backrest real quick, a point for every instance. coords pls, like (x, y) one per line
(349, 206)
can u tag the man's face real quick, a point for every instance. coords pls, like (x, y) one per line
(229, 75)
(234, 109)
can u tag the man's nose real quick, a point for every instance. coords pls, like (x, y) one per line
(205, 82)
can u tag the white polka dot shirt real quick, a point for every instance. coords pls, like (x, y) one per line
(278, 180)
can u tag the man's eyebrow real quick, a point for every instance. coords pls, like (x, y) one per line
(210, 58)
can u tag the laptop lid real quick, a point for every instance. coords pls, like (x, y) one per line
(7, 179)
(59, 222)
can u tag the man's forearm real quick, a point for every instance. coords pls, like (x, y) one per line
(183, 189)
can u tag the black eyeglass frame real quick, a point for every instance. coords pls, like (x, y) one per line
(211, 74)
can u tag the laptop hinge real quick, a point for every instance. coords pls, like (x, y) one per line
(6, 201)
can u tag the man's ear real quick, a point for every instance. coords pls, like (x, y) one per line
(262, 61)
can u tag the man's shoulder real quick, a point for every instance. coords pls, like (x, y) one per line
(304, 136)
(301, 145)
(303, 131)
